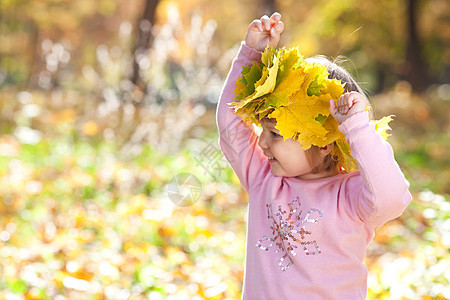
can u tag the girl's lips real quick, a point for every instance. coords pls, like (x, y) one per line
(270, 158)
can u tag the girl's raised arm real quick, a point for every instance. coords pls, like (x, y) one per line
(237, 140)
(381, 192)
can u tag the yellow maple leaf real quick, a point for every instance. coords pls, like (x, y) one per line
(333, 133)
(298, 118)
(289, 86)
(307, 140)
(382, 126)
(267, 56)
(289, 80)
(267, 82)
(342, 151)
(239, 86)
(334, 88)
(316, 76)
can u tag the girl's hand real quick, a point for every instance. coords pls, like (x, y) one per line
(265, 31)
(348, 105)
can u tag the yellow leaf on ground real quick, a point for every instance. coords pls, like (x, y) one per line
(90, 128)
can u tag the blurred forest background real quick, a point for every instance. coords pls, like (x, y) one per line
(105, 104)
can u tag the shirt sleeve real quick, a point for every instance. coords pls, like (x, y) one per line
(238, 141)
(381, 192)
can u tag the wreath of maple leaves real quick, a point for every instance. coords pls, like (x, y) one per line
(285, 87)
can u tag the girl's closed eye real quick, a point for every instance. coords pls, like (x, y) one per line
(274, 134)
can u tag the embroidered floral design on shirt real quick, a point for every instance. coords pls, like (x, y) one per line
(289, 231)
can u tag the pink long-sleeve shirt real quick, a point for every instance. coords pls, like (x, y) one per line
(306, 239)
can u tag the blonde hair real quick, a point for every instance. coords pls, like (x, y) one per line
(318, 163)
(335, 71)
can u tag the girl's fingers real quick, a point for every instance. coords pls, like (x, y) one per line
(279, 27)
(333, 107)
(347, 101)
(348, 104)
(256, 24)
(350, 101)
(265, 22)
(264, 31)
(335, 113)
(274, 18)
(275, 34)
(341, 102)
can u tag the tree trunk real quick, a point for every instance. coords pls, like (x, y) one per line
(144, 39)
(35, 57)
(380, 76)
(415, 69)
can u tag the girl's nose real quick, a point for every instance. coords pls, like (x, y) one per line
(263, 143)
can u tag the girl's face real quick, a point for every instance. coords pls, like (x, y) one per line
(286, 157)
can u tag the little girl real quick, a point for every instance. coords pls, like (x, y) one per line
(309, 222)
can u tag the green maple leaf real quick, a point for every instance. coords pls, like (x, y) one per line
(320, 75)
(245, 84)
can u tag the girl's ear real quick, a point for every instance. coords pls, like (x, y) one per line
(324, 151)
